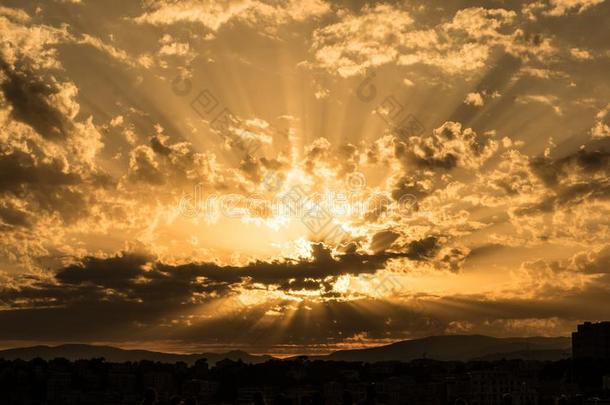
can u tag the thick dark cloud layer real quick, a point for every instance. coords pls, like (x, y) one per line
(140, 277)
(112, 299)
(136, 289)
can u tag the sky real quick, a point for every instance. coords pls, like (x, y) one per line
(297, 177)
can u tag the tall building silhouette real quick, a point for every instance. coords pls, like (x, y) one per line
(591, 340)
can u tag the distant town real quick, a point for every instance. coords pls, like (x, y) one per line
(583, 378)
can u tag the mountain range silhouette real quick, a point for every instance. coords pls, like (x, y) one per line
(445, 348)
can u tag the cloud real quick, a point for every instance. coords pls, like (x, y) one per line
(24, 40)
(384, 34)
(581, 166)
(14, 14)
(592, 262)
(479, 22)
(383, 240)
(49, 149)
(46, 107)
(474, 99)
(580, 54)
(601, 129)
(143, 166)
(162, 162)
(513, 180)
(127, 271)
(140, 277)
(199, 302)
(549, 100)
(364, 40)
(213, 14)
(449, 146)
(26, 170)
(542, 185)
(423, 249)
(12, 215)
(115, 53)
(559, 8)
(563, 199)
(408, 83)
(175, 303)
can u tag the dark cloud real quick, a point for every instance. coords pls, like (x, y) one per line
(117, 317)
(115, 272)
(27, 171)
(14, 216)
(546, 170)
(130, 295)
(141, 278)
(383, 240)
(576, 178)
(410, 186)
(485, 250)
(289, 274)
(445, 148)
(452, 259)
(423, 249)
(45, 184)
(427, 158)
(142, 275)
(583, 163)
(31, 100)
(138, 285)
(593, 262)
(158, 145)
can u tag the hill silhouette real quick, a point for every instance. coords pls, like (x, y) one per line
(444, 348)
(114, 354)
(460, 348)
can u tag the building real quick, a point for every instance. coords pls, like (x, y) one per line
(591, 340)
(488, 387)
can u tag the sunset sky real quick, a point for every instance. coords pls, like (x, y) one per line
(301, 176)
